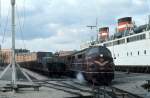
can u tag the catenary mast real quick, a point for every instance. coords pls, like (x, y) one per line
(13, 43)
(13, 66)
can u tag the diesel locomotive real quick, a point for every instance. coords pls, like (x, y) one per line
(94, 63)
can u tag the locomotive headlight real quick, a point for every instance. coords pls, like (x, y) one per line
(101, 55)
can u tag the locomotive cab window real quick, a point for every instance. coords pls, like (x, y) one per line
(69, 58)
(92, 51)
(73, 57)
(80, 56)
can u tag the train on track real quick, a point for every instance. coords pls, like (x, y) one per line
(95, 64)
(51, 66)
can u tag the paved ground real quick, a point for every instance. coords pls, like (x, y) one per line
(132, 83)
(29, 93)
(129, 82)
(44, 92)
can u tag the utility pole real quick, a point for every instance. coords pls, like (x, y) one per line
(148, 24)
(0, 13)
(92, 27)
(97, 37)
(13, 66)
(13, 44)
(149, 21)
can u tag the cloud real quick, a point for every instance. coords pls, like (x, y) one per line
(61, 24)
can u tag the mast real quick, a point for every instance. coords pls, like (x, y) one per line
(0, 13)
(148, 24)
(13, 42)
(91, 27)
(15, 68)
(148, 21)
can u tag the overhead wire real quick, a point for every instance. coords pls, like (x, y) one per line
(5, 25)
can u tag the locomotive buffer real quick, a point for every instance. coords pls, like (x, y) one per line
(13, 72)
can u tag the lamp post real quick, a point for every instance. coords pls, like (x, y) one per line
(13, 43)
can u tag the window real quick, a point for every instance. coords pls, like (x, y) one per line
(115, 43)
(131, 53)
(118, 54)
(144, 51)
(121, 41)
(80, 56)
(127, 53)
(114, 56)
(118, 42)
(136, 38)
(93, 51)
(138, 52)
(108, 44)
(73, 57)
(69, 58)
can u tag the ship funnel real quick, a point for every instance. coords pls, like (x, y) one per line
(124, 24)
(103, 33)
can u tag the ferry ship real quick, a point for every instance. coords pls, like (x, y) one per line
(130, 45)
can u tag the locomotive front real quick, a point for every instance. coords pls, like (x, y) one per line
(100, 66)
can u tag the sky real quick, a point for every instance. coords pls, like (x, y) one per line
(56, 25)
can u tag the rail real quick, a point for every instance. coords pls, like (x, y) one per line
(114, 92)
(77, 89)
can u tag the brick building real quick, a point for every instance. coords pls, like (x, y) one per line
(22, 55)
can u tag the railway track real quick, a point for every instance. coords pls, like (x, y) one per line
(114, 92)
(61, 85)
(111, 92)
(81, 90)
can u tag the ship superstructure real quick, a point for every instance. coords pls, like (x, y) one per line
(130, 45)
